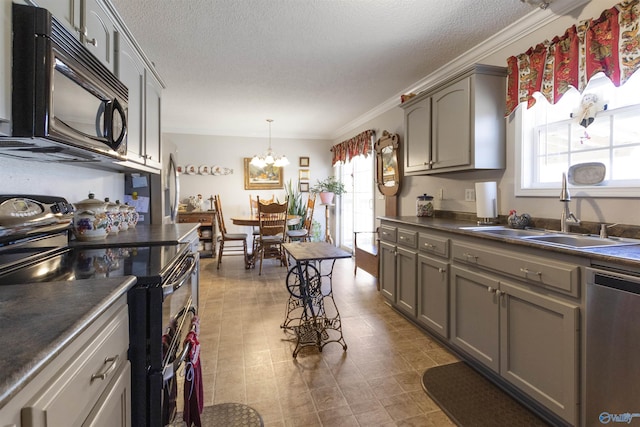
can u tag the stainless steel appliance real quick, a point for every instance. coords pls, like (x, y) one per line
(34, 248)
(66, 105)
(613, 346)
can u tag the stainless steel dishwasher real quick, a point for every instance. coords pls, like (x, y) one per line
(613, 348)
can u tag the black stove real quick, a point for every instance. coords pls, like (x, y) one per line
(35, 234)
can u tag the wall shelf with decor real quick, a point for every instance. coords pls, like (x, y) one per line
(206, 232)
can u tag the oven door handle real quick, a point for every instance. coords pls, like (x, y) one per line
(178, 361)
(189, 267)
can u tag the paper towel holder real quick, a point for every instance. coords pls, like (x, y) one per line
(486, 202)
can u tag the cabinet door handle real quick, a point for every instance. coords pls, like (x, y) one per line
(429, 245)
(499, 293)
(470, 256)
(491, 290)
(526, 272)
(113, 362)
(401, 237)
(441, 270)
(92, 42)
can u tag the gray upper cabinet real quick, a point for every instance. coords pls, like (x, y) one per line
(458, 125)
(90, 22)
(451, 120)
(153, 95)
(417, 118)
(131, 71)
(66, 11)
(97, 31)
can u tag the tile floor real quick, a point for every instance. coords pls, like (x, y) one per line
(247, 357)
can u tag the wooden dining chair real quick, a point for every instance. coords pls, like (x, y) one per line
(224, 237)
(304, 234)
(253, 203)
(273, 227)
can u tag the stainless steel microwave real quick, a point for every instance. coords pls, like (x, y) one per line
(65, 102)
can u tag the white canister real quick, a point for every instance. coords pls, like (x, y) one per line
(90, 220)
(424, 205)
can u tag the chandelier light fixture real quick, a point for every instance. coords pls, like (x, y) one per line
(269, 157)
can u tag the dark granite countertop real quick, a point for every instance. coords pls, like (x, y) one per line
(142, 235)
(39, 320)
(628, 255)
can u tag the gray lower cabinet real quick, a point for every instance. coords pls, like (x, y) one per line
(398, 268)
(388, 271)
(406, 281)
(433, 294)
(398, 277)
(527, 337)
(88, 383)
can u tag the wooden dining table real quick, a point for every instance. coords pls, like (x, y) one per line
(254, 221)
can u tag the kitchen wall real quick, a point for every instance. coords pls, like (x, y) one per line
(71, 182)
(610, 210)
(229, 152)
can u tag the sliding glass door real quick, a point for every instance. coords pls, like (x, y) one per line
(357, 204)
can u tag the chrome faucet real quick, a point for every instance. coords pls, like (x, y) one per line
(567, 218)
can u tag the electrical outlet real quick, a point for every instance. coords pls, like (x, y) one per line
(441, 194)
(469, 195)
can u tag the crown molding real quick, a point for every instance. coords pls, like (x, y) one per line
(521, 28)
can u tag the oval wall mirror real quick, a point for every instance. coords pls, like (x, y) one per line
(387, 166)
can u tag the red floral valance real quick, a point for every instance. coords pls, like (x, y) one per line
(356, 146)
(609, 44)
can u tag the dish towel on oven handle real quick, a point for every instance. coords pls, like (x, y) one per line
(193, 389)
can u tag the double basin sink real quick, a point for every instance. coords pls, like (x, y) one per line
(576, 241)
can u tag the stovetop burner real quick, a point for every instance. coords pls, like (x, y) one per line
(148, 263)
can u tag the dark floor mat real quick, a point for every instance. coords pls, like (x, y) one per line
(471, 400)
(226, 415)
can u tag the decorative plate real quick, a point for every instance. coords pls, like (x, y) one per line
(586, 173)
(190, 170)
(216, 170)
(180, 169)
(227, 171)
(203, 170)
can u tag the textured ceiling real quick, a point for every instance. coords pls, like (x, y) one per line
(310, 65)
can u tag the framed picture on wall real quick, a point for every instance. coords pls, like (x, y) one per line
(269, 177)
(303, 175)
(304, 187)
(304, 162)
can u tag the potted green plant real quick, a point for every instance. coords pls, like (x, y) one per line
(328, 188)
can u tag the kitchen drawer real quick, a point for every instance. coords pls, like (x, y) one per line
(433, 245)
(408, 238)
(560, 276)
(388, 234)
(72, 393)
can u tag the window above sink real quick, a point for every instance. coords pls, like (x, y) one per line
(551, 141)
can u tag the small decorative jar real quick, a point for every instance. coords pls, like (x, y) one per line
(124, 212)
(424, 205)
(133, 216)
(114, 216)
(90, 220)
